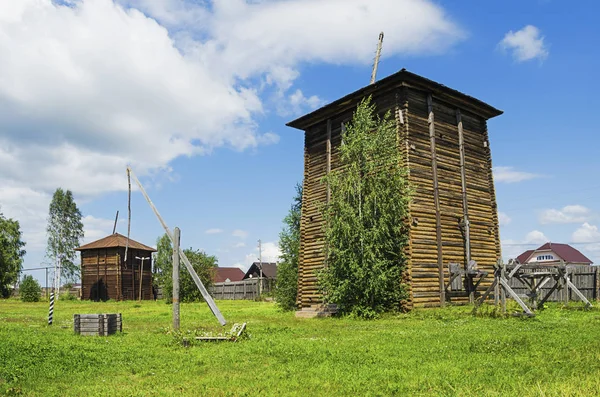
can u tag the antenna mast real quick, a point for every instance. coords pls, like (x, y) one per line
(377, 56)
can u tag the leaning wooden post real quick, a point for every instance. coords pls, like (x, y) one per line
(209, 300)
(565, 277)
(463, 180)
(497, 287)
(502, 291)
(177, 238)
(141, 278)
(436, 200)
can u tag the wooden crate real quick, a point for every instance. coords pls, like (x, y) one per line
(97, 324)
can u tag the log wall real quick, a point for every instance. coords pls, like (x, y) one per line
(480, 195)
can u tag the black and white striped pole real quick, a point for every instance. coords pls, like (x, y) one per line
(51, 310)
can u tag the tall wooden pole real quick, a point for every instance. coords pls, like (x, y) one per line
(141, 276)
(260, 268)
(436, 200)
(115, 226)
(377, 56)
(467, 224)
(176, 238)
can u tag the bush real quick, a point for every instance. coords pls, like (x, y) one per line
(286, 290)
(365, 220)
(67, 296)
(30, 289)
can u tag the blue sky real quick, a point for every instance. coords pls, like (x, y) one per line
(195, 96)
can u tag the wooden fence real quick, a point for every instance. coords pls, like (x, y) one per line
(584, 277)
(245, 289)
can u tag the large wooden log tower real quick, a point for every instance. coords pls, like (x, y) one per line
(453, 214)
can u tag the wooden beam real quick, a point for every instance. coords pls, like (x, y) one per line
(463, 180)
(209, 300)
(118, 276)
(177, 238)
(436, 199)
(328, 150)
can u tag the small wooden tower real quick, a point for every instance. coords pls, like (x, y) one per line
(105, 275)
(453, 214)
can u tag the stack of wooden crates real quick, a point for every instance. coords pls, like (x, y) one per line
(97, 324)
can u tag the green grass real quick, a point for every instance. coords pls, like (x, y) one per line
(427, 352)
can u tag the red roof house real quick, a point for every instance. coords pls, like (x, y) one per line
(227, 274)
(554, 252)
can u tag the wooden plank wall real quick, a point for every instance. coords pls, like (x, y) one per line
(311, 255)
(102, 278)
(245, 289)
(485, 244)
(130, 275)
(99, 274)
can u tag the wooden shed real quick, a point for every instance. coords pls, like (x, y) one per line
(444, 142)
(105, 274)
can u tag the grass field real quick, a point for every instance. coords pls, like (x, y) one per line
(427, 352)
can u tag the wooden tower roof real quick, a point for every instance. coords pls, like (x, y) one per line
(113, 241)
(401, 78)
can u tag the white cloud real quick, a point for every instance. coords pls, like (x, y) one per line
(270, 253)
(586, 234)
(240, 233)
(525, 44)
(536, 237)
(568, 214)
(504, 219)
(510, 175)
(89, 87)
(296, 103)
(589, 234)
(241, 266)
(239, 245)
(213, 231)
(512, 248)
(96, 228)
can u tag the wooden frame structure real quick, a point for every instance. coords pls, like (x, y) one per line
(445, 146)
(106, 275)
(534, 277)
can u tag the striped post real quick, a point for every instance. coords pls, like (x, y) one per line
(51, 310)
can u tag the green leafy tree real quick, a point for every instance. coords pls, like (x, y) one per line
(11, 254)
(202, 263)
(289, 243)
(30, 290)
(163, 262)
(65, 231)
(365, 228)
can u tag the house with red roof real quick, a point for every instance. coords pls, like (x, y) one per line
(227, 274)
(554, 252)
